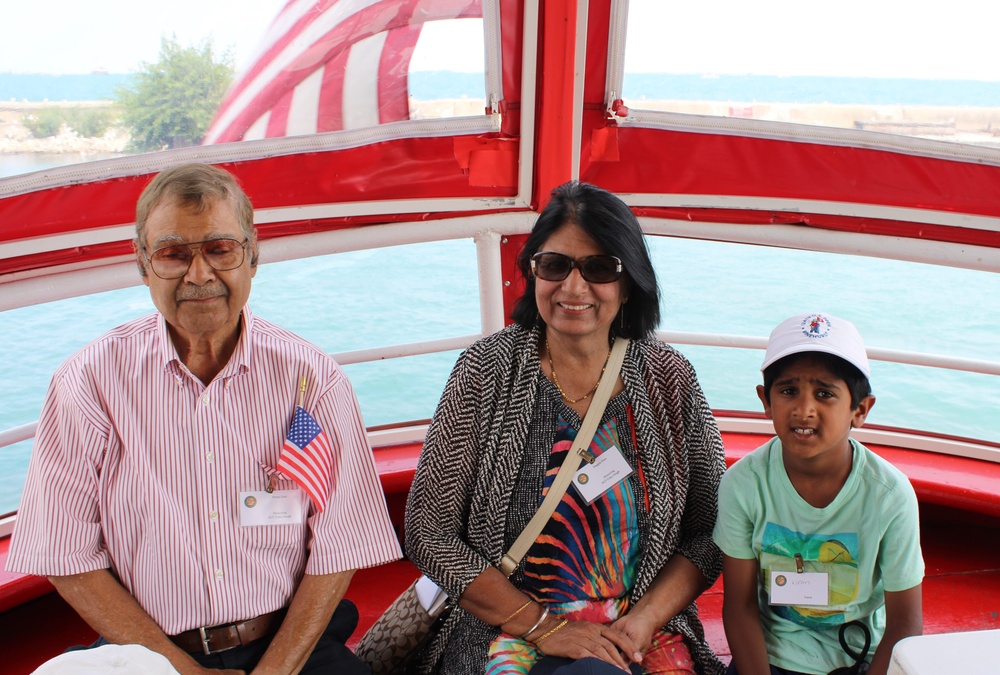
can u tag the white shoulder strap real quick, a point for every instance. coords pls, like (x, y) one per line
(570, 465)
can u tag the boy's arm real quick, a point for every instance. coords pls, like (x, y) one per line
(903, 618)
(741, 616)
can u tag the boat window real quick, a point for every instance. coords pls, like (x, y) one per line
(738, 289)
(27, 366)
(244, 71)
(343, 302)
(379, 298)
(876, 65)
(448, 83)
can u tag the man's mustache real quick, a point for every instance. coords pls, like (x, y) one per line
(201, 292)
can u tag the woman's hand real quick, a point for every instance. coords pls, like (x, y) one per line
(640, 629)
(580, 639)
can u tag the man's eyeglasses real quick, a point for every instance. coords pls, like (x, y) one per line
(173, 262)
(597, 269)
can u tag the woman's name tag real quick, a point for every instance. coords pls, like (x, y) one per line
(800, 588)
(281, 507)
(609, 469)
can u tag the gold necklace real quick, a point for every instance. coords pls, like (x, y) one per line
(555, 378)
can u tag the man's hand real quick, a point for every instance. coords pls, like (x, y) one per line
(114, 614)
(312, 607)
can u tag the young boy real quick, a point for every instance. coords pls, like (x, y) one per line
(816, 530)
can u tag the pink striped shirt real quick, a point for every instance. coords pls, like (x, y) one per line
(137, 466)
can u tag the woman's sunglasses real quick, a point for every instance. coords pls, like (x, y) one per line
(597, 269)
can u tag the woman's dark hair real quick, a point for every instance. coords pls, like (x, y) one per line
(615, 229)
(857, 383)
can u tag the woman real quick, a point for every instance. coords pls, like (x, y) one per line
(608, 584)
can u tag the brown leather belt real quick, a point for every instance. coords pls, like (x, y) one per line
(209, 640)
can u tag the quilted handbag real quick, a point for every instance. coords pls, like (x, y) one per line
(402, 629)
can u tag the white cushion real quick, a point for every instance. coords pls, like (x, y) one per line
(108, 660)
(968, 653)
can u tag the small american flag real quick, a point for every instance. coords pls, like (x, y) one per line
(307, 457)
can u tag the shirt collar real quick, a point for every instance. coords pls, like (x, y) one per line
(239, 362)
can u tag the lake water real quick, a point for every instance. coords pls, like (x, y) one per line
(14, 163)
(410, 293)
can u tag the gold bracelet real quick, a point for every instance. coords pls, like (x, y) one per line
(561, 624)
(519, 610)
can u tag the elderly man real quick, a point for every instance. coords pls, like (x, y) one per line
(157, 501)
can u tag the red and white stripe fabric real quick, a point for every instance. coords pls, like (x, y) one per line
(307, 458)
(139, 467)
(330, 65)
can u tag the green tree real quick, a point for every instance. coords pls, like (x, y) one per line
(170, 103)
(90, 122)
(43, 123)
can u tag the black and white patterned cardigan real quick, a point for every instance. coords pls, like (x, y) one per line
(460, 497)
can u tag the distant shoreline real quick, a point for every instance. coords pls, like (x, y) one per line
(443, 84)
(962, 124)
(16, 138)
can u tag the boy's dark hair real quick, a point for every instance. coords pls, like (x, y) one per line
(857, 383)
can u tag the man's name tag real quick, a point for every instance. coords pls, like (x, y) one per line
(806, 588)
(281, 507)
(609, 469)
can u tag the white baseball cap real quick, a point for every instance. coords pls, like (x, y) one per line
(817, 332)
(108, 660)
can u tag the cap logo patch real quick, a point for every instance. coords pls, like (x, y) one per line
(816, 326)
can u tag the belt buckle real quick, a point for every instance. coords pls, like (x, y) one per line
(205, 639)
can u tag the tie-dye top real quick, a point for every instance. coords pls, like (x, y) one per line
(582, 566)
(584, 561)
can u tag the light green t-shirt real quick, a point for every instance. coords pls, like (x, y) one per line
(867, 541)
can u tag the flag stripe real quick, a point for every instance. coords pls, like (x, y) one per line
(304, 110)
(393, 77)
(309, 39)
(331, 114)
(361, 83)
(313, 460)
(307, 458)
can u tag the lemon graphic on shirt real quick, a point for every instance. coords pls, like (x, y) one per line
(832, 551)
(843, 571)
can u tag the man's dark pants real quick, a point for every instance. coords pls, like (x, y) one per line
(331, 654)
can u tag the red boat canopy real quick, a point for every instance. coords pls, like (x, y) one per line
(556, 116)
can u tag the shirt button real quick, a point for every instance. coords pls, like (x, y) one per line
(204, 400)
(218, 574)
(214, 515)
(210, 456)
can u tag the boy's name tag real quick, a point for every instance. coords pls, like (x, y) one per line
(281, 507)
(805, 588)
(609, 469)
